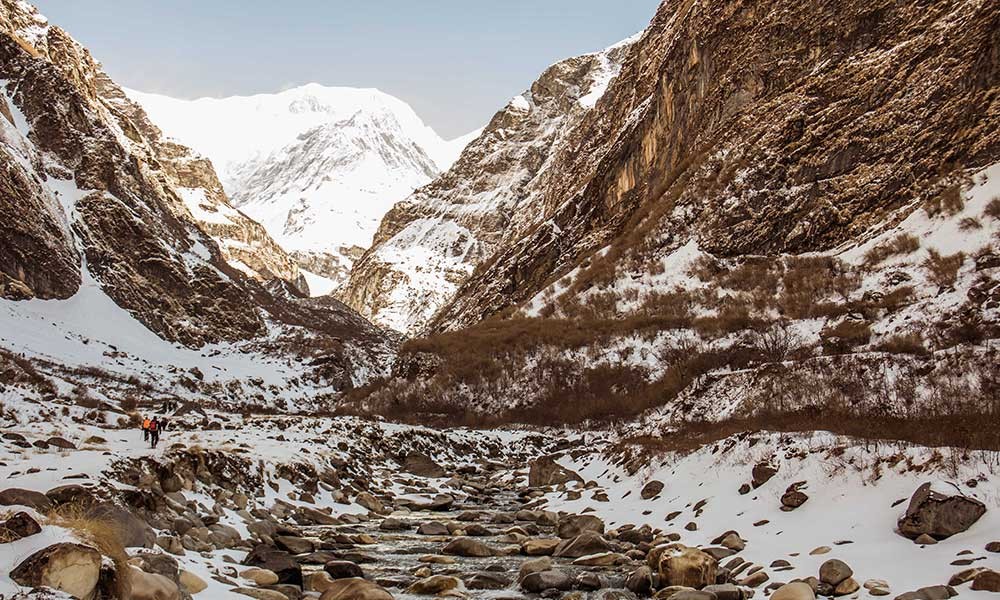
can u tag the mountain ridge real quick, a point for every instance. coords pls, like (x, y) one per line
(317, 166)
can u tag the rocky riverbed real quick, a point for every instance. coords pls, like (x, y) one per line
(287, 508)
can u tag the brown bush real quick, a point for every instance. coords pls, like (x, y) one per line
(845, 336)
(943, 270)
(904, 343)
(102, 534)
(992, 209)
(902, 244)
(969, 224)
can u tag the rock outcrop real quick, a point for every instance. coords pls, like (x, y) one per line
(429, 244)
(939, 515)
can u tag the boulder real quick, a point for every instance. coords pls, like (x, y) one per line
(433, 528)
(932, 592)
(393, 524)
(73, 493)
(552, 579)
(422, 465)
(434, 585)
(18, 526)
(939, 514)
(58, 442)
(792, 499)
(190, 582)
(846, 587)
(640, 581)
(993, 547)
(366, 500)
(602, 559)
(834, 571)
(261, 577)
(67, 567)
(987, 581)
(582, 545)
(28, 498)
(293, 544)
(572, 526)
(725, 591)
(689, 567)
(651, 490)
(152, 586)
(260, 593)
(546, 471)
(343, 569)
(281, 563)
(487, 581)
(794, 591)
(465, 546)
(355, 589)
(762, 473)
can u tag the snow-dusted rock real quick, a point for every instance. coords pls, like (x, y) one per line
(936, 512)
(68, 567)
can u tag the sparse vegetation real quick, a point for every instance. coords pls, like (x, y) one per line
(904, 343)
(969, 224)
(992, 209)
(943, 270)
(902, 244)
(101, 533)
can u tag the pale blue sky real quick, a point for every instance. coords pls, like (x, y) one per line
(455, 61)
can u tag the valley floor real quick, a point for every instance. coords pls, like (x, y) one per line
(422, 512)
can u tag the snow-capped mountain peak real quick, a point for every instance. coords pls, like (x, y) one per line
(317, 166)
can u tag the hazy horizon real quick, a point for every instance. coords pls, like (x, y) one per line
(456, 63)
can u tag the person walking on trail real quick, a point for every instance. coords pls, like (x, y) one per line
(145, 429)
(163, 422)
(154, 432)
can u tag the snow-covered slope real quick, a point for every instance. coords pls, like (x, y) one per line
(430, 243)
(317, 166)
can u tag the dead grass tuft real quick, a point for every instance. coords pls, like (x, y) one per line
(102, 534)
(902, 244)
(943, 270)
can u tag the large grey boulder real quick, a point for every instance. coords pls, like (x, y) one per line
(938, 514)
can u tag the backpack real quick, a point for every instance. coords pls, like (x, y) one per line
(152, 426)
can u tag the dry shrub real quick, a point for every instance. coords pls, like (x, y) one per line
(949, 202)
(729, 319)
(102, 534)
(943, 270)
(809, 283)
(760, 274)
(992, 209)
(777, 342)
(969, 224)
(902, 244)
(845, 336)
(904, 343)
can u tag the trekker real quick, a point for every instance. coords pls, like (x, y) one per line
(163, 424)
(145, 429)
(154, 432)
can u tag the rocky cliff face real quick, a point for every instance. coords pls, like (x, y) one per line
(760, 128)
(244, 243)
(96, 197)
(775, 207)
(429, 244)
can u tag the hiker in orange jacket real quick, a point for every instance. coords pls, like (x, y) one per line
(145, 429)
